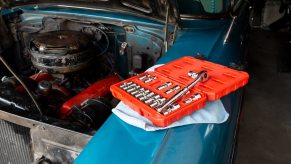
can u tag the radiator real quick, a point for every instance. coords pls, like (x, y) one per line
(15, 144)
(25, 141)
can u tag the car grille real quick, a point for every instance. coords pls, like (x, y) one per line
(14, 144)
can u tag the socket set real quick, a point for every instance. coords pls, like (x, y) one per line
(222, 80)
(177, 89)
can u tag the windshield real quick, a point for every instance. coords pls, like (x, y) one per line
(203, 7)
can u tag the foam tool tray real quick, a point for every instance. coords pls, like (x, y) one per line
(146, 92)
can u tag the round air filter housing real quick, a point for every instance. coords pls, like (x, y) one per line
(61, 51)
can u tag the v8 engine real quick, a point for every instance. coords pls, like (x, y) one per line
(69, 65)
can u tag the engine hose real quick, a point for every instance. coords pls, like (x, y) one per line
(23, 84)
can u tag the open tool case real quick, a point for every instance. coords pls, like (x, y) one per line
(147, 91)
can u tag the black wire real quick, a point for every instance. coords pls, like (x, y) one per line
(22, 83)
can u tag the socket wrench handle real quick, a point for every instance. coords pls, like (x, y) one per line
(202, 76)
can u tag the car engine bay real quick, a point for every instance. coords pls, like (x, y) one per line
(69, 65)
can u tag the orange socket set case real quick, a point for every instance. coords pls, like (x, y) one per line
(177, 89)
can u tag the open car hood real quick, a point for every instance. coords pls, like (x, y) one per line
(152, 8)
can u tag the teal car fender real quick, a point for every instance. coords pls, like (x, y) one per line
(119, 142)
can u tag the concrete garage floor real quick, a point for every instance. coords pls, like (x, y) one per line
(265, 130)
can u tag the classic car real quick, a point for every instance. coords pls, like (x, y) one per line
(59, 58)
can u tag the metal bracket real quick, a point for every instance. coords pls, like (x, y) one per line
(123, 48)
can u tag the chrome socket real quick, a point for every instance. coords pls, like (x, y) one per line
(132, 85)
(125, 85)
(130, 90)
(150, 94)
(167, 84)
(193, 98)
(146, 95)
(146, 91)
(150, 79)
(134, 88)
(151, 97)
(157, 96)
(172, 108)
(138, 95)
(192, 74)
(156, 101)
(154, 104)
(161, 101)
(149, 101)
(143, 98)
(196, 96)
(187, 101)
(144, 77)
(140, 92)
(176, 87)
(134, 92)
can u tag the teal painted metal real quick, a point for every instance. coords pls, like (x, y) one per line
(118, 142)
(203, 143)
(120, 17)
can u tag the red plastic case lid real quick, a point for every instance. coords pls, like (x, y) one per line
(222, 80)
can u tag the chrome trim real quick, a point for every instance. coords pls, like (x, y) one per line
(38, 7)
(90, 19)
(175, 34)
(139, 8)
(230, 28)
(80, 7)
(166, 29)
(9, 103)
(209, 16)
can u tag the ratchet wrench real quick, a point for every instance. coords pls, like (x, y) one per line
(202, 76)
